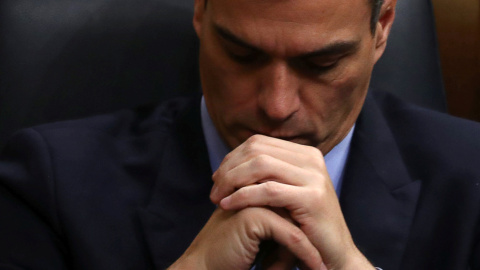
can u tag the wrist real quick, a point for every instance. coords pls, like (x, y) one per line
(357, 261)
(188, 261)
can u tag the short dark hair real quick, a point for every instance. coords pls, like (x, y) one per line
(376, 5)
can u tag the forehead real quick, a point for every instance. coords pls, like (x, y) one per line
(292, 24)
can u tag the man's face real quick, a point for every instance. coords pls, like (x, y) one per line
(298, 70)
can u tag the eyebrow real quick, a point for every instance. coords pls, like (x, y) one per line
(227, 35)
(337, 48)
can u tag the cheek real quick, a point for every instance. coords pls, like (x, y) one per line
(352, 84)
(225, 90)
(350, 93)
(339, 97)
(228, 95)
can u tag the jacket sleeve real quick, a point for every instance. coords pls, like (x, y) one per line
(30, 231)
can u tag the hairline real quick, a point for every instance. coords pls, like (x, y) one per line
(375, 8)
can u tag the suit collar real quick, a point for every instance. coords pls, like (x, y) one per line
(378, 196)
(179, 203)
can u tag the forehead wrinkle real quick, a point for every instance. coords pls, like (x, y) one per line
(288, 46)
(281, 38)
(285, 44)
(291, 11)
(262, 23)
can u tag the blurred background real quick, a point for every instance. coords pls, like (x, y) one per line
(66, 59)
(458, 31)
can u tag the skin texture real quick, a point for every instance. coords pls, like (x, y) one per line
(265, 171)
(230, 240)
(284, 82)
(277, 91)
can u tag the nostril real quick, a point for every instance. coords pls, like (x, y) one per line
(279, 108)
(278, 96)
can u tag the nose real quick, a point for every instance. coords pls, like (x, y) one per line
(279, 92)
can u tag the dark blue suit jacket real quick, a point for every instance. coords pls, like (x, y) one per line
(130, 190)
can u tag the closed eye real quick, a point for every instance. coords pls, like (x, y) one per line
(323, 67)
(315, 68)
(326, 59)
(243, 55)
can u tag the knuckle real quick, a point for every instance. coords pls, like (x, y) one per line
(272, 189)
(227, 157)
(252, 145)
(316, 162)
(241, 194)
(226, 178)
(216, 176)
(314, 197)
(296, 236)
(255, 138)
(320, 162)
(220, 178)
(262, 160)
(260, 163)
(314, 151)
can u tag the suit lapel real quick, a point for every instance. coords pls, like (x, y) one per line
(378, 196)
(179, 205)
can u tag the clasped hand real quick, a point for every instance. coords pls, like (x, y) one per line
(268, 188)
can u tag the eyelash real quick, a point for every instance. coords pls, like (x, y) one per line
(300, 64)
(249, 58)
(321, 69)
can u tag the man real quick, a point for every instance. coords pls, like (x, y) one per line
(279, 69)
(285, 87)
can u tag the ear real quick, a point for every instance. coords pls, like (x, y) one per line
(199, 10)
(384, 25)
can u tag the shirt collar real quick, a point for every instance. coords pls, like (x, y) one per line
(217, 148)
(335, 160)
